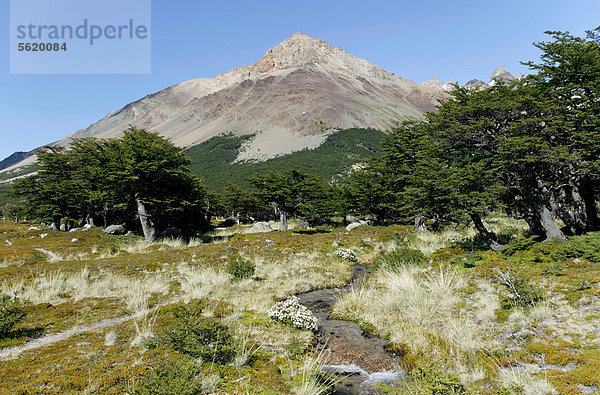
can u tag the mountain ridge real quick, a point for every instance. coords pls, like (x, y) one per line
(291, 99)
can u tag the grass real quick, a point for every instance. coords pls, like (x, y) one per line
(448, 315)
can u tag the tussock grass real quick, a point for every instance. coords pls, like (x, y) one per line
(58, 287)
(525, 380)
(415, 307)
(309, 378)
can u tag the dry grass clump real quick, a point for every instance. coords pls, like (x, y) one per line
(419, 308)
(309, 379)
(274, 279)
(202, 282)
(57, 287)
(524, 380)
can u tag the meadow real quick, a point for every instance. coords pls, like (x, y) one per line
(110, 314)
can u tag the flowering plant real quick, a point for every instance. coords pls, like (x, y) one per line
(291, 312)
(346, 253)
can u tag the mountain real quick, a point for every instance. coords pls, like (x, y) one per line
(499, 74)
(290, 99)
(15, 158)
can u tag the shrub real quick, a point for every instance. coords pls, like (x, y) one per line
(198, 336)
(171, 377)
(428, 381)
(583, 247)
(241, 268)
(291, 312)
(10, 313)
(400, 257)
(346, 253)
(520, 290)
(519, 245)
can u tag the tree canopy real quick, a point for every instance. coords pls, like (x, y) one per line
(138, 177)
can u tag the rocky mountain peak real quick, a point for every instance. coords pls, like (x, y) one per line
(297, 50)
(499, 71)
(438, 84)
(289, 99)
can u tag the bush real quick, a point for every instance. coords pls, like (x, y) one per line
(198, 336)
(427, 381)
(171, 377)
(583, 247)
(520, 290)
(346, 253)
(291, 312)
(241, 268)
(400, 257)
(10, 313)
(519, 245)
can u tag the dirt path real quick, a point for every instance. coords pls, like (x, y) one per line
(352, 354)
(14, 352)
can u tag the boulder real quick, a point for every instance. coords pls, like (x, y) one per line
(302, 224)
(350, 218)
(115, 230)
(260, 227)
(356, 224)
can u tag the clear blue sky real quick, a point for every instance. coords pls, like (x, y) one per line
(458, 40)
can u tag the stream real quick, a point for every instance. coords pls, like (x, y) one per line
(356, 357)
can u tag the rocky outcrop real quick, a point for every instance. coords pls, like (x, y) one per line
(115, 230)
(260, 227)
(476, 84)
(435, 83)
(499, 74)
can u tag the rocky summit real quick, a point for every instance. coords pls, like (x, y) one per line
(499, 74)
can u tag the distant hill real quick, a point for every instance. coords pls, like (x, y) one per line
(15, 158)
(214, 159)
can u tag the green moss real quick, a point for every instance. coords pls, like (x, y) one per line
(551, 354)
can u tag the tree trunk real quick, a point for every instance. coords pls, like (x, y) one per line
(547, 217)
(90, 215)
(567, 204)
(145, 220)
(488, 237)
(105, 215)
(420, 223)
(534, 222)
(589, 200)
(549, 224)
(282, 221)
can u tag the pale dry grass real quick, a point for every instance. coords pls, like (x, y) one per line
(58, 287)
(417, 307)
(202, 282)
(526, 379)
(306, 380)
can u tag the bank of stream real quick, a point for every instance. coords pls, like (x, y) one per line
(356, 357)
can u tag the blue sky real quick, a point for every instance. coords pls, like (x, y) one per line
(458, 40)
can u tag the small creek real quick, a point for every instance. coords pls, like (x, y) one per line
(355, 356)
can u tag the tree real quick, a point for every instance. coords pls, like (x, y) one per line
(568, 77)
(53, 194)
(151, 172)
(140, 176)
(295, 193)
